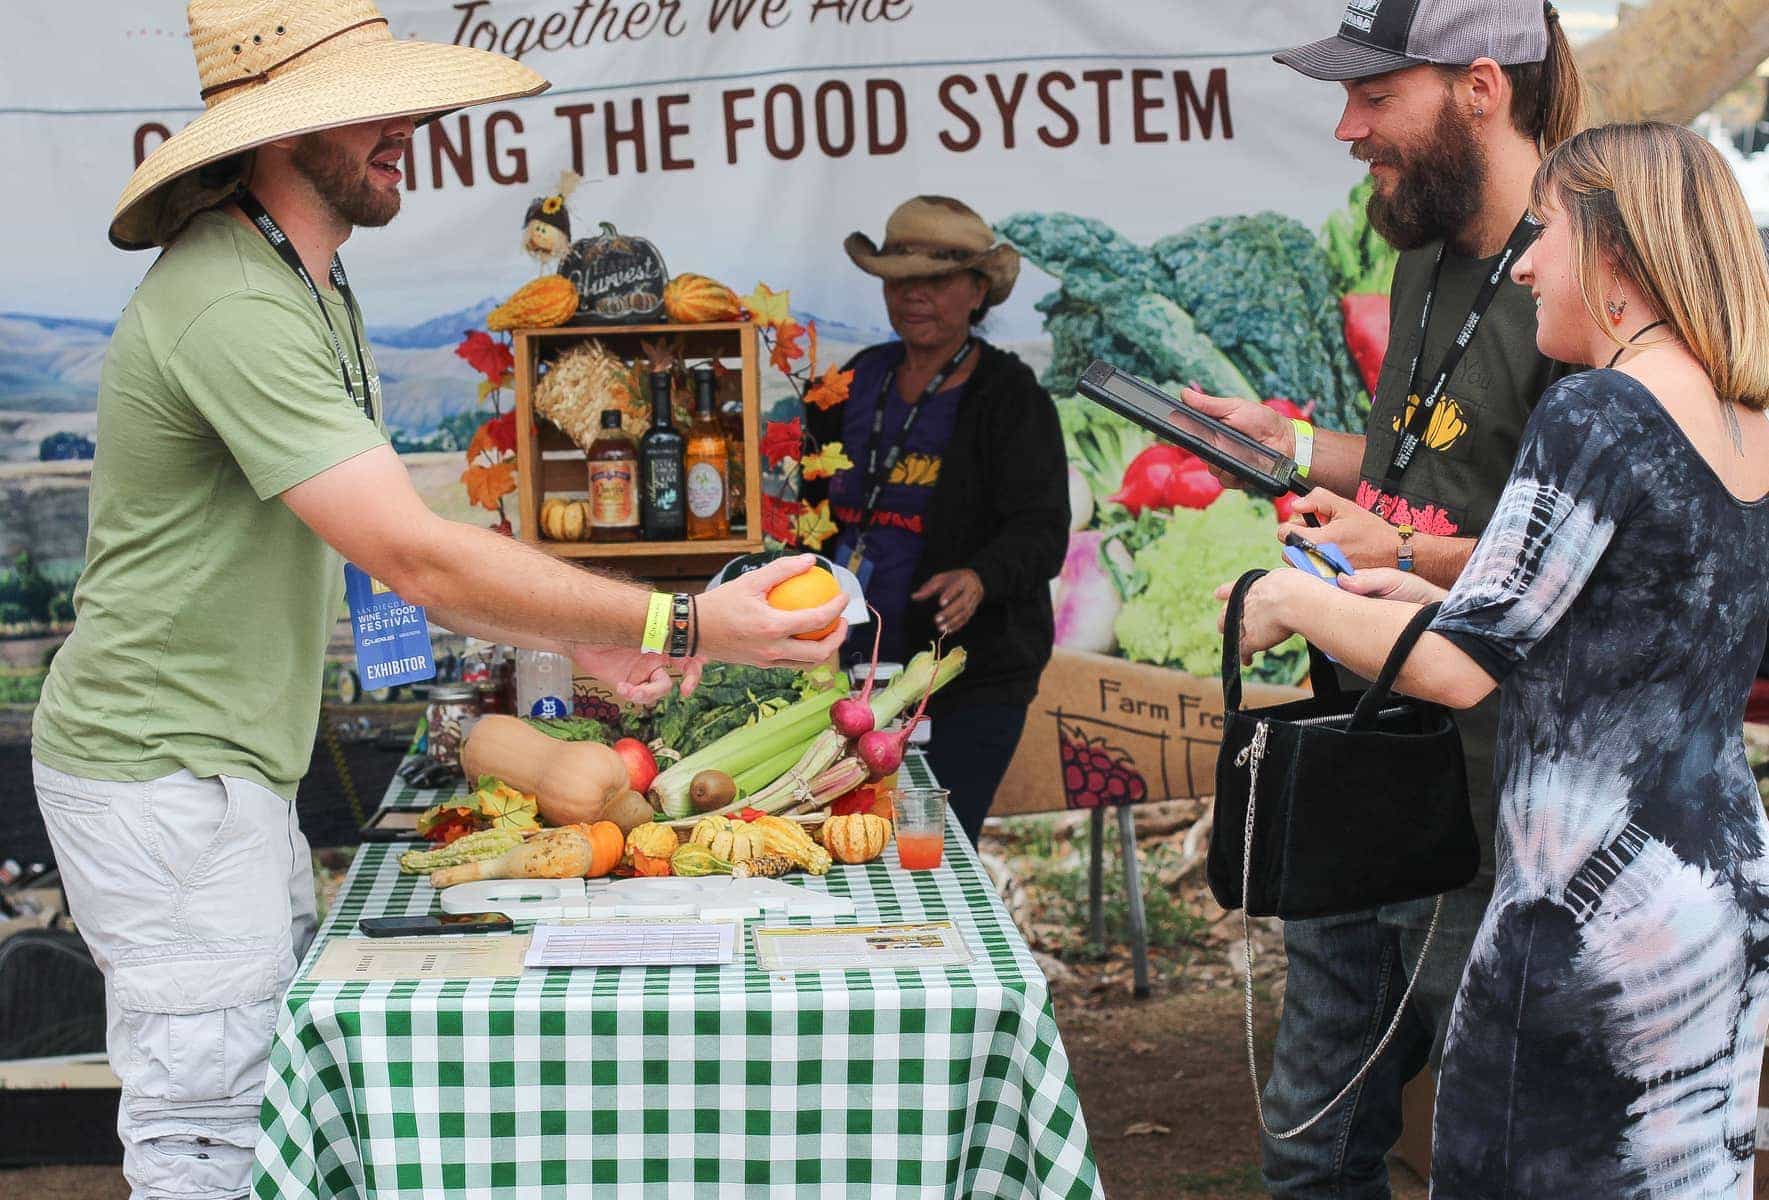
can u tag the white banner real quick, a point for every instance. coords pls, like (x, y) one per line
(745, 138)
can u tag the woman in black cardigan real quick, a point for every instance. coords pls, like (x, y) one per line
(955, 513)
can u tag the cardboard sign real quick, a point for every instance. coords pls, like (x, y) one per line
(1106, 731)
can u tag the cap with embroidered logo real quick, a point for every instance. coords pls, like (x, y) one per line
(1379, 36)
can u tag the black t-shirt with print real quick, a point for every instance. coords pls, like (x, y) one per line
(1453, 483)
(1455, 478)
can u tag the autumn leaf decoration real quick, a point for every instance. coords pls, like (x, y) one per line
(826, 462)
(814, 525)
(491, 465)
(792, 350)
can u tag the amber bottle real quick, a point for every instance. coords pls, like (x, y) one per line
(709, 464)
(614, 483)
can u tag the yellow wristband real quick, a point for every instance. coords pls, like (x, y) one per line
(1304, 445)
(657, 624)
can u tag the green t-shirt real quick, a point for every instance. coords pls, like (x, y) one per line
(204, 611)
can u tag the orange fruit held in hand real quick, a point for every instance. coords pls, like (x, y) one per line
(810, 589)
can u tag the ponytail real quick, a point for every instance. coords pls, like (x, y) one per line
(1548, 98)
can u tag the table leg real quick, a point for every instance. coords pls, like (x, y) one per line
(1096, 866)
(1139, 933)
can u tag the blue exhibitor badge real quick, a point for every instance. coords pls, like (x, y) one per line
(392, 637)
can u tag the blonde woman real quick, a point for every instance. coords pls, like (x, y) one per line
(1607, 1037)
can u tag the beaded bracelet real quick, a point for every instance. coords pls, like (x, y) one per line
(680, 611)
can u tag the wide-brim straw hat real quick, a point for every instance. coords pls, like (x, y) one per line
(937, 235)
(273, 69)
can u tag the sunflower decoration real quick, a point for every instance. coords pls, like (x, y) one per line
(546, 230)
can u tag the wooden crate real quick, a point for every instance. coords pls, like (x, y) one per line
(548, 463)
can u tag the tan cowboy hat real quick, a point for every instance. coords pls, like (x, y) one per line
(937, 235)
(273, 69)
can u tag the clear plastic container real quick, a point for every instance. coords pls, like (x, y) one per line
(543, 684)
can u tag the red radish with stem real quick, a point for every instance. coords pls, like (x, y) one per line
(852, 717)
(882, 749)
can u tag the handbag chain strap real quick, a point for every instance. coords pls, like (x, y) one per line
(1250, 757)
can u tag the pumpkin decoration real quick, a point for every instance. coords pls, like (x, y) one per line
(619, 279)
(538, 304)
(565, 520)
(695, 300)
(607, 844)
(856, 837)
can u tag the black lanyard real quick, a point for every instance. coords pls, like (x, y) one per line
(279, 241)
(877, 474)
(1419, 419)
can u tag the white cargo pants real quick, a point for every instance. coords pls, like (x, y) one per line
(195, 897)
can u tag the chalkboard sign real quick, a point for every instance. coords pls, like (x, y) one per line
(619, 279)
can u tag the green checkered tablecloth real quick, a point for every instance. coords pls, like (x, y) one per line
(682, 1081)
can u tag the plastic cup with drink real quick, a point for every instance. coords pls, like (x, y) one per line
(920, 817)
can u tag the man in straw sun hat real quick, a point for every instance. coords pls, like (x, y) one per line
(241, 453)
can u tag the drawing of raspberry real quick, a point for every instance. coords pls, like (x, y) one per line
(1096, 773)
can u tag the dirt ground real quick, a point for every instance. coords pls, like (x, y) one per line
(1162, 1081)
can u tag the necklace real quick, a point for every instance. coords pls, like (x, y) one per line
(1638, 334)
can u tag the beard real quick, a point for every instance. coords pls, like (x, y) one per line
(343, 183)
(1437, 186)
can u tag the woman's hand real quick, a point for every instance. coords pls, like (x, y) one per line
(1366, 539)
(960, 594)
(738, 625)
(1265, 613)
(1386, 583)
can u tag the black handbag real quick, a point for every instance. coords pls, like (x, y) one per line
(1335, 804)
(1351, 800)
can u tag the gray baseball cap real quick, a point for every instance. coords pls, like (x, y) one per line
(1378, 36)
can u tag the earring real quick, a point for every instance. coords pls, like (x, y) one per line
(1479, 112)
(1616, 309)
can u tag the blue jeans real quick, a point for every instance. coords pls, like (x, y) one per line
(1346, 976)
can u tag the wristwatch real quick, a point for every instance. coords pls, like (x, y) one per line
(1404, 558)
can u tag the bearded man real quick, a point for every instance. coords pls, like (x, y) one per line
(1452, 103)
(242, 455)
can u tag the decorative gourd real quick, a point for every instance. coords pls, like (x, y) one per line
(695, 300)
(856, 837)
(571, 782)
(607, 844)
(565, 520)
(538, 304)
(653, 840)
(619, 279)
(566, 853)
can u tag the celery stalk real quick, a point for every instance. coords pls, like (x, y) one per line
(741, 749)
(762, 774)
(904, 691)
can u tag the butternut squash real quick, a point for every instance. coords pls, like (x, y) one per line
(571, 782)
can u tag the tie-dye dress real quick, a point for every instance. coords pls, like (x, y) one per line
(1607, 1038)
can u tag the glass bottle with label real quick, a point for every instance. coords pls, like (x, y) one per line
(614, 483)
(709, 464)
(663, 511)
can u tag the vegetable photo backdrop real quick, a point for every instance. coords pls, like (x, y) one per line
(1181, 205)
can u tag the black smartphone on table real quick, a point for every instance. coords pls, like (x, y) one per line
(428, 926)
